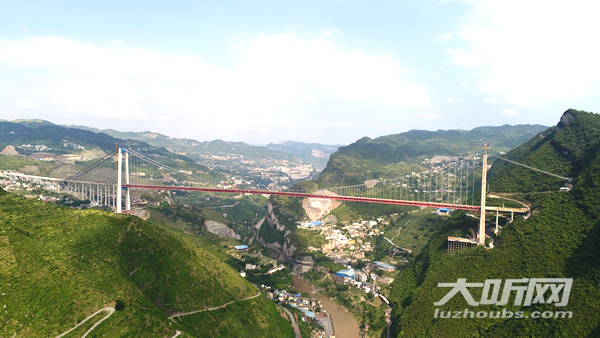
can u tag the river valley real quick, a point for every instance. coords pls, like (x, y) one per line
(344, 324)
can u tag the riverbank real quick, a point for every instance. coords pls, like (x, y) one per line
(344, 323)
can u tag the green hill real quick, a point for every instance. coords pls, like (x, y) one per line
(194, 148)
(59, 265)
(399, 154)
(563, 150)
(560, 240)
(31, 137)
(314, 153)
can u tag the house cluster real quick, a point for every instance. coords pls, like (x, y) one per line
(45, 198)
(298, 171)
(441, 159)
(358, 279)
(35, 147)
(13, 183)
(259, 172)
(67, 144)
(312, 310)
(9, 181)
(349, 243)
(361, 278)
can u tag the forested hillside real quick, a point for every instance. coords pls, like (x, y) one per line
(399, 154)
(58, 265)
(560, 240)
(42, 139)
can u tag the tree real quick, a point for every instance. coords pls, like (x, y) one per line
(119, 305)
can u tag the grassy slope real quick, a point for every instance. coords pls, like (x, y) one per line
(51, 135)
(561, 240)
(412, 230)
(241, 319)
(394, 155)
(564, 153)
(58, 265)
(350, 211)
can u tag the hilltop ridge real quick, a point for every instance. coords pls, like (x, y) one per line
(559, 240)
(399, 154)
(58, 265)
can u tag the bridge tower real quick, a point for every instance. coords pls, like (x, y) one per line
(120, 151)
(483, 193)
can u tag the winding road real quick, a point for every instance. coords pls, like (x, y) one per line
(177, 314)
(296, 328)
(110, 310)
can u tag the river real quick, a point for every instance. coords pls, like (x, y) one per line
(344, 324)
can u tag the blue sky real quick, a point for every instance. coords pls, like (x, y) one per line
(319, 71)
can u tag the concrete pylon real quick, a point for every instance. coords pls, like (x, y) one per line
(128, 197)
(483, 193)
(119, 183)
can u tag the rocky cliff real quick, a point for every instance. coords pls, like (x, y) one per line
(317, 208)
(220, 229)
(285, 247)
(272, 219)
(9, 150)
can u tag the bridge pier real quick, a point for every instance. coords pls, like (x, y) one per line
(497, 212)
(128, 197)
(119, 182)
(483, 196)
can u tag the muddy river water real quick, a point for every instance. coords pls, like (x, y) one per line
(344, 324)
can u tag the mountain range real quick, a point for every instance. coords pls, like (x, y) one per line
(558, 240)
(398, 154)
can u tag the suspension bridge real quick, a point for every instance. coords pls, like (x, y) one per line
(443, 186)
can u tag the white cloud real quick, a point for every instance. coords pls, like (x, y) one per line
(430, 116)
(444, 36)
(330, 32)
(117, 43)
(532, 51)
(465, 58)
(276, 76)
(510, 112)
(343, 124)
(450, 100)
(25, 104)
(296, 67)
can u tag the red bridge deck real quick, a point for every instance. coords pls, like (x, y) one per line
(305, 195)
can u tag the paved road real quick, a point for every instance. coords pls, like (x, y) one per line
(294, 325)
(510, 199)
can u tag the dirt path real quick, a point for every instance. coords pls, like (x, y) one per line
(211, 308)
(398, 232)
(258, 225)
(510, 199)
(110, 310)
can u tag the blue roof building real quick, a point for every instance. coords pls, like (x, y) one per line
(384, 266)
(315, 223)
(241, 247)
(346, 273)
(306, 312)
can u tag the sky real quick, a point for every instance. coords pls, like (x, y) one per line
(327, 71)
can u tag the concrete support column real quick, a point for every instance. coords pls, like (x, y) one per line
(128, 198)
(496, 221)
(119, 168)
(483, 195)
